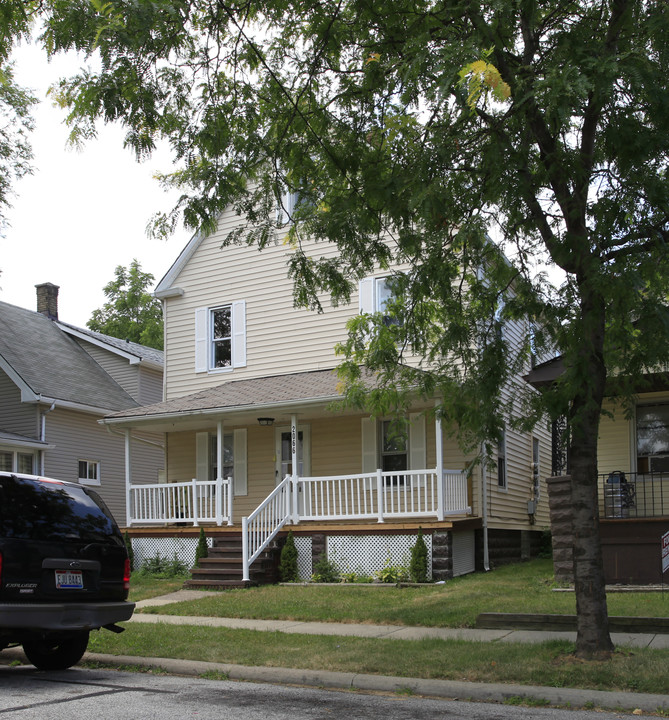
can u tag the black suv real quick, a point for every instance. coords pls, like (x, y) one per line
(64, 569)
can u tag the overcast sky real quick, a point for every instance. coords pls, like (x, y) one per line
(82, 213)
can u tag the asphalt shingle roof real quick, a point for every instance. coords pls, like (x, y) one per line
(318, 385)
(52, 364)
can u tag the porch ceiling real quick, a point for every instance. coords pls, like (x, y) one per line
(241, 402)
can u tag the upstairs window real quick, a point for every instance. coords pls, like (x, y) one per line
(375, 295)
(220, 337)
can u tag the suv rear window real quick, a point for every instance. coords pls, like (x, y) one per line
(41, 510)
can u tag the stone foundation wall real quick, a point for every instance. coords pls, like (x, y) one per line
(559, 502)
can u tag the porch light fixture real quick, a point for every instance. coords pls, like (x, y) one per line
(265, 421)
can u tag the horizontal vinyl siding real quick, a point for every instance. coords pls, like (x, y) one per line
(15, 416)
(78, 436)
(150, 386)
(507, 507)
(117, 367)
(614, 449)
(279, 338)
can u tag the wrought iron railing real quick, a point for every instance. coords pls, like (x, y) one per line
(634, 495)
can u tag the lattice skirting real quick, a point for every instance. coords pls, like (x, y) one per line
(146, 548)
(368, 554)
(362, 554)
(304, 564)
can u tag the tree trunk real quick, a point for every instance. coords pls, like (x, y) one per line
(593, 638)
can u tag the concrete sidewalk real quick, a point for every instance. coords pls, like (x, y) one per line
(395, 632)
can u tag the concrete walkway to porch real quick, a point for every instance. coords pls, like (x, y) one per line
(396, 632)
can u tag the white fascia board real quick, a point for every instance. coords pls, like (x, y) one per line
(79, 407)
(32, 444)
(164, 287)
(27, 393)
(130, 357)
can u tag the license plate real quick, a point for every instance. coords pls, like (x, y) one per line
(69, 580)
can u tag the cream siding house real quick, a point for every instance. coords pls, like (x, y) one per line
(57, 382)
(252, 434)
(633, 487)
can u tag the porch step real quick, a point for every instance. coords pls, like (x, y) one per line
(223, 568)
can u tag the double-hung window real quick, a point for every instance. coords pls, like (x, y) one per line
(375, 295)
(220, 337)
(652, 438)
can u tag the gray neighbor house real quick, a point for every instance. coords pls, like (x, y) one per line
(57, 381)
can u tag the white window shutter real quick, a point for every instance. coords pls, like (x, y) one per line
(239, 333)
(202, 456)
(367, 299)
(240, 463)
(369, 443)
(201, 339)
(417, 442)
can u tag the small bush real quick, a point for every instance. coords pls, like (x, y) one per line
(288, 571)
(418, 564)
(325, 571)
(131, 552)
(202, 549)
(161, 567)
(392, 573)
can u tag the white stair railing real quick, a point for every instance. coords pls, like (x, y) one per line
(263, 524)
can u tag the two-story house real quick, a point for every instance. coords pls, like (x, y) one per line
(255, 447)
(57, 382)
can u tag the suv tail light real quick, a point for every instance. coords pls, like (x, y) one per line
(126, 573)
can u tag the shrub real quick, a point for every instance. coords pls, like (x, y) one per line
(161, 567)
(418, 564)
(131, 552)
(288, 563)
(325, 571)
(202, 549)
(392, 573)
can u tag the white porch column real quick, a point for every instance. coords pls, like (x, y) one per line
(128, 480)
(219, 473)
(294, 480)
(440, 467)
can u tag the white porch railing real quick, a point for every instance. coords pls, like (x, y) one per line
(378, 495)
(194, 502)
(381, 495)
(262, 525)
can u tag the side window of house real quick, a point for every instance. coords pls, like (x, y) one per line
(652, 438)
(11, 461)
(501, 461)
(536, 468)
(220, 337)
(89, 472)
(375, 294)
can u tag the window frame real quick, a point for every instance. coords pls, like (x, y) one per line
(205, 350)
(502, 467)
(644, 462)
(97, 480)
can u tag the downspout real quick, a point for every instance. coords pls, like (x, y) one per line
(42, 436)
(484, 509)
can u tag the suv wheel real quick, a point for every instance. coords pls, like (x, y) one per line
(56, 652)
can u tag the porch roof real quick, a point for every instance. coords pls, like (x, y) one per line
(305, 393)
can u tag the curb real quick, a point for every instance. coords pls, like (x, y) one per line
(440, 689)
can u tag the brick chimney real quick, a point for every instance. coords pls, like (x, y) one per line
(47, 300)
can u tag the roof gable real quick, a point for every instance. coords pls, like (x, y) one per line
(46, 363)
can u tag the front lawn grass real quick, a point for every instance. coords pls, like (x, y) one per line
(549, 664)
(525, 587)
